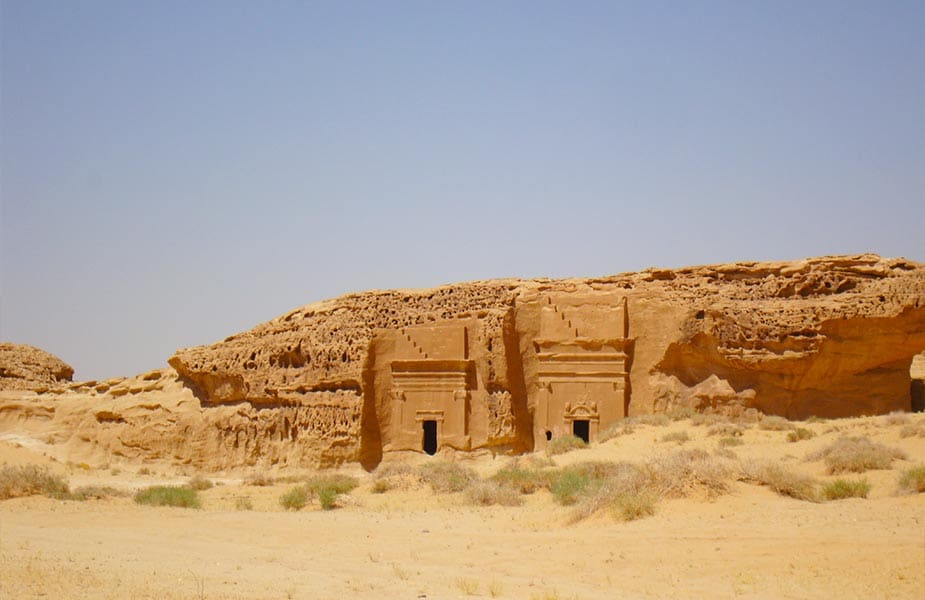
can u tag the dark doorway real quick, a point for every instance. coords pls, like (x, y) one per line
(918, 395)
(430, 437)
(548, 435)
(581, 430)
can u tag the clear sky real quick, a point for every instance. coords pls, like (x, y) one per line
(174, 172)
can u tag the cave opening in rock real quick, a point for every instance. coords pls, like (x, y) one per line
(548, 435)
(429, 443)
(918, 395)
(581, 429)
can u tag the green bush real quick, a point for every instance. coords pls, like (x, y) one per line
(167, 495)
(327, 497)
(30, 480)
(564, 444)
(843, 488)
(913, 480)
(296, 498)
(568, 485)
(338, 482)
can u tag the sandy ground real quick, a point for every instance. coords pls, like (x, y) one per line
(750, 543)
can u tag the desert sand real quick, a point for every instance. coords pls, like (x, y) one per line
(415, 543)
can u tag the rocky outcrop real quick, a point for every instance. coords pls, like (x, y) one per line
(24, 367)
(507, 365)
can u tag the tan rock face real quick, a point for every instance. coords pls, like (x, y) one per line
(23, 367)
(507, 365)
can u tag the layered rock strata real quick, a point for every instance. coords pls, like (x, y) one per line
(508, 365)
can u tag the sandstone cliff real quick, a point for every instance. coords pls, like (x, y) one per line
(507, 365)
(23, 367)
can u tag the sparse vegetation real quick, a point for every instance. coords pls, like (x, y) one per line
(168, 495)
(31, 480)
(468, 587)
(679, 413)
(489, 492)
(799, 434)
(144, 471)
(782, 480)
(522, 479)
(725, 429)
(617, 429)
(896, 418)
(564, 444)
(730, 441)
(913, 430)
(707, 419)
(676, 436)
(844, 488)
(856, 455)
(678, 474)
(775, 423)
(913, 480)
(295, 499)
(259, 480)
(199, 483)
(243, 503)
(381, 486)
(95, 492)
(632, 506)
(443, 476)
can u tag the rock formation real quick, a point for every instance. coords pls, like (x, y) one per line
(25, 368)
(508, 365)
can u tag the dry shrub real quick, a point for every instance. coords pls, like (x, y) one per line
(617, 429)
(707, 419)
(681, 473)
(782, 480)
(725, 430)
(896, 418)
(522, 479)
(799, 434)
(295, 499)
(913, 480)
(199, 483)
(446, 477)
(30, 480)
(913, 430)
(679, 413)
(844, 488)
(168, 495)
(676, 436)
(630, 507)
(259, 480)
(605, 484)
(775, 423)
(395, 476)
(856, 455)
(730, 441)
(95, 492)
(487, 493)
(564, 444)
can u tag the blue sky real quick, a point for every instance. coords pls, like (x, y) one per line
(173, 172)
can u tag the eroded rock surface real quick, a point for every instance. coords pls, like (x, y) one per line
(24, 367)
(507, 365)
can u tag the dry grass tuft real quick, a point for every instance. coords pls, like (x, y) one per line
(799, 434)
(775, 423)
(730, 441)
(896, 418)
(617, 429)
(168, 495)
(686, 471)
(782, 480)
(630, 507)
(31, 480)
(680, 413)
(856, 455)
(708, 419)
(844, 488)
(913, 480)
(564, 444)
(676, 436)
(523, 479)
(488, 493)
(199, 483)
(259, 479)
(445, 477)
(725, 430)
(913, 430)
